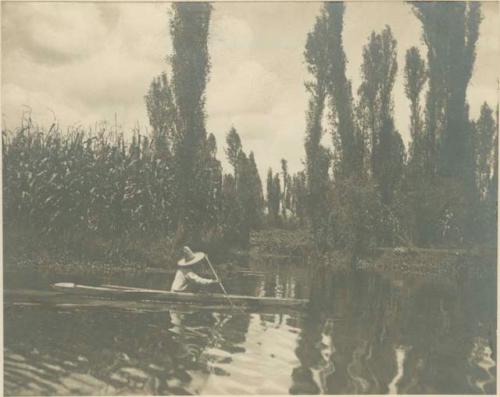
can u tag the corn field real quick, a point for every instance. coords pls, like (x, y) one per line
(80, 182)
(65, 187)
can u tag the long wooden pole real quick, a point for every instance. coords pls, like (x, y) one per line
(220, 282)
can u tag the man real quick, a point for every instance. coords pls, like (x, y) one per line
(186, 280)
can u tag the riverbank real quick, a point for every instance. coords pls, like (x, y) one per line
(267, 246)
(25, 250)
(296, 246)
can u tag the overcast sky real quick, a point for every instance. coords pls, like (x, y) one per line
(86, 62)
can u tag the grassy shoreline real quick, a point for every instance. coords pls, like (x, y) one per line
(267, 246)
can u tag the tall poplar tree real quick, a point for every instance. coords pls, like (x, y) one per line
(415, 75)
(273, 196)
(450, 32)
(346, 138)
(233, 148)
(257, 204)
(284, 174)
(269, 195)
(379, 70)
(317, 156)
(485, 136)
(189, 27)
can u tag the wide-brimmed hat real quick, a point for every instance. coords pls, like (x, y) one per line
(190, 257)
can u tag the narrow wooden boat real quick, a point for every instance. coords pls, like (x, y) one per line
(142, 294)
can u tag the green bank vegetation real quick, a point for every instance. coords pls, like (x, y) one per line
(93, 194)
(442, 191)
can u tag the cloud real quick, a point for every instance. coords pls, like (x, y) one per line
(242, 89)
(490, 28)
(144, 32)
(107, 55)
(110, 14)
(43, 107)
(253, 88)
(88, 61)
(52, 34)
(228, 32)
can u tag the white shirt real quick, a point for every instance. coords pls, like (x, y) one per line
(185, 279)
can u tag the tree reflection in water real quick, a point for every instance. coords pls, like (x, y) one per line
(117, 352)
(364, 333)
(361, 333)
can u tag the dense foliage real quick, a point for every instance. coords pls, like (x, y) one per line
(363, 189)
(169, 183)
(369, 190)
(64, 183)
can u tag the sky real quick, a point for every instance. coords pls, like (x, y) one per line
(84, 63)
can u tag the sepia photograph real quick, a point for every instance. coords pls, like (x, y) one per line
(249, 197)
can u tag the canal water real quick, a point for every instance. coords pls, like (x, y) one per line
(362, 332)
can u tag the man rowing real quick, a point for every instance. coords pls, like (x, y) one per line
(186, 279)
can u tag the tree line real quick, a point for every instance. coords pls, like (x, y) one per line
(369, 189)
(68, 185)
(365, 189)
